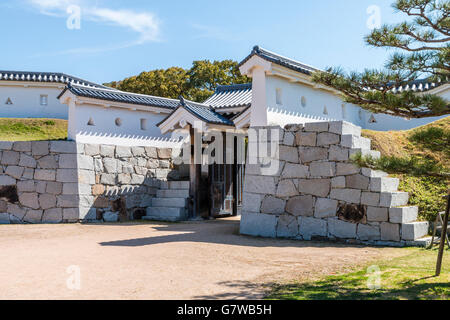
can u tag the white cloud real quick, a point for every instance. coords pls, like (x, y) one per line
(145, 24)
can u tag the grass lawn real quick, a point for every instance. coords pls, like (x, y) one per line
(409, 277)
(32, 129)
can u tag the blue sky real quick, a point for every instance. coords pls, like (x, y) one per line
(119, 38)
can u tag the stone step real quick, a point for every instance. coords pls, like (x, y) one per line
(172, 194)
(365, 153)
(165, 214)
(384, 184)
(175, 185)
(370, 173)
(169, 202)
(393, 199)
(356, 142)
(403, 214)
(414, 230)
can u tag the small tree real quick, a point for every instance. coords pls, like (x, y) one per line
(422, 50)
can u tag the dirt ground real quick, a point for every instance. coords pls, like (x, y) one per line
(198, 260)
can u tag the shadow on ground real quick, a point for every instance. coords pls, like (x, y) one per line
(218, 232)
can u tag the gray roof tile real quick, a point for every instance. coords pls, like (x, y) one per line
(51, 77)
(205, 112)
(238, 95)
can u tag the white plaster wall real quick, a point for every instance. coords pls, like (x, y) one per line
(27, 102)
(292, 110)
(316, 100)
(129, 133)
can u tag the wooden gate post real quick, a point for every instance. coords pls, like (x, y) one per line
(443, 238)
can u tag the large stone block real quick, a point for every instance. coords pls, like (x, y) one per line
(294, 127)
(357, 181)
(301, 206)
(71, 214)
(272, 205)
(327, 139)
(347, 195)
(27, 161)
(124, 178)
(123, 152)
(6, 145)
(341, 229)
(338, 183)
(16, 210)
(376, 214)
(39, 148)
(33, 216)
(322, 169)
(47, 201)
(4, 218)
(28, 173)
(384, 184)
(370, 173)
(287, 227)
(414, 230)
(346, 169)
(344, 128)
(325, 208)
(92, 149)
(259, 225)
(289, 154)
(107, 151)
(394, 199)
(306, 139)
(47, 162)
(67, 175)
(338, 154)
(26, 186)
(151, 152)
(164, 153)
(316, 126)
(84, 177)
(22, 146)
(63, 147)
(67, 201)
(315, 187)
(85, 162)
(110, 217)
(260, 185)
(289, 139)
(111, 165)
(355, 142)
(309, 154)
(403, 214)
(10, 158)
(15, 171)
(292, 170)
(68, 161)
(252, 202)
(54, 215)
(286, 189)
(368, 232)
(54, 188)
(29, 199)
(370, 199)
(311, 227)
(390, 232)
(7, 180)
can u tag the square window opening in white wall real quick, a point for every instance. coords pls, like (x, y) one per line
(143, 124)
(279, 96)
(44, 99)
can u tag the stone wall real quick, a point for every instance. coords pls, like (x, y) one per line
(318, 193)
(62, 181)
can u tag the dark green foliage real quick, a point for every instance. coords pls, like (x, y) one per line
(197, 83)
(433, 138)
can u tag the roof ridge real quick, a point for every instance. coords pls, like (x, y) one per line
(231, 87)
(259, 48)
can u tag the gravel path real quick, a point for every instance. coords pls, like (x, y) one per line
(160, 261)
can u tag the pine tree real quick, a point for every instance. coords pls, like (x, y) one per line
(422, 53)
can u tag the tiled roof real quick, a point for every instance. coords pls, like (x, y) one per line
(422, 85)
(238, 95)
(280, 60)
(51, 77)
(121, 96)
(205, 113)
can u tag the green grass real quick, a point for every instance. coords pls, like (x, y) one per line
(412, 156)
(32, 129)
(410, 277)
